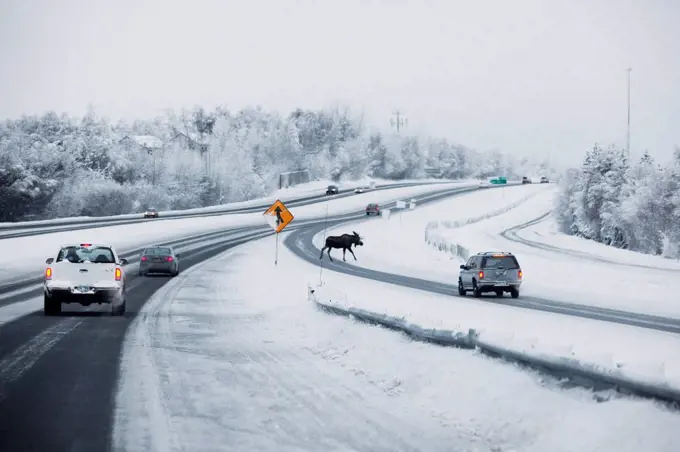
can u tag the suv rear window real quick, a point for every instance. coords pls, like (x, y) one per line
(157, 251)
(506, 262)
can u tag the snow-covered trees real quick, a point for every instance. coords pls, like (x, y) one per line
(54, 165)
(623, 204)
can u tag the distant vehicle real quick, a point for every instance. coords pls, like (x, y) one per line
(544, 180)
(85, 274)
(151, 213)
(373, 209)
(159, 259)
(526, 180)
(361, 189)
(332, 190)
(490, 272)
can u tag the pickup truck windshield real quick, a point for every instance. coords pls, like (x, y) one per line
(77, 254)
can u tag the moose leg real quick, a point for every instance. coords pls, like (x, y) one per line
(322, 250)
(344, 250)
(350, 250)
(329, 254)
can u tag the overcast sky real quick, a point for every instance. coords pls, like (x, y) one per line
(525, 76)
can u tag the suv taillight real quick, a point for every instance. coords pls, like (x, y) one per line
(481, 275)
(169, 259)
(519, 274)
(118, 274)
(144, 258)
(48, 273)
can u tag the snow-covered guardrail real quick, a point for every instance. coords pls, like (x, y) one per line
(580, 373)
(433, 238)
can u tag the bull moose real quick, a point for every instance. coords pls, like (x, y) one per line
(344, 241)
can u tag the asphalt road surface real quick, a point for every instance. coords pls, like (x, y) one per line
(58, 374)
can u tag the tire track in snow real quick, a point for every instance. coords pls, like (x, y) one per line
(512, 234)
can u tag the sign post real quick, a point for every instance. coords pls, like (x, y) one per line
(278, 217)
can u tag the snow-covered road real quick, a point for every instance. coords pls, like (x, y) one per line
(231, 356)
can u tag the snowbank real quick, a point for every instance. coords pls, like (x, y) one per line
(631, 358)
(297, 379)
(35, 249)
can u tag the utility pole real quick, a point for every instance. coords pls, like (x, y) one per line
(628, 125)
(399, 121)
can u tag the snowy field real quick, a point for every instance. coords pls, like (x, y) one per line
(583, 278)
(34, 250)
(315, 188)
(213, 361)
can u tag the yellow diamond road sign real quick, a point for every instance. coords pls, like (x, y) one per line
(278, 216)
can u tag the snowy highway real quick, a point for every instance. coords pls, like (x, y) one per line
(58, 374)
(230, 355)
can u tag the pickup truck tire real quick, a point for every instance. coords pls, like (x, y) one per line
(118, 310)
(51, 307)
(514, 293)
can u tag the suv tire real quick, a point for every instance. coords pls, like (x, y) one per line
(461, 289)
(475, 289)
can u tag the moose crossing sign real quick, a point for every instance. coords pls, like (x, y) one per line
(278, 216)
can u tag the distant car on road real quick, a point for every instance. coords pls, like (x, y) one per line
(544, 180)
(332, 190)
(85, 274)
(159, 259)
(373, 209)
(526, 180)
(151, 213)
(490, 272)
(361, 189)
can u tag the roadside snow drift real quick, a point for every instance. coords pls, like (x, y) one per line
(231, 353)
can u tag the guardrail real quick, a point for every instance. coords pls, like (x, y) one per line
(436, 240)
(578, 373)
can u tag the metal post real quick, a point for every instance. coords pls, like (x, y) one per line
(399, 121)
(276, 258)
(628, 125)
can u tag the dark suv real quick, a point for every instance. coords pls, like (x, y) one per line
(332, 190)
(490, 272)
(526, 180)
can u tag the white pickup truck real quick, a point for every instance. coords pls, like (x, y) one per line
(85, 274)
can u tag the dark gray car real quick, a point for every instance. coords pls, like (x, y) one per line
(159, 259)
(490, 272)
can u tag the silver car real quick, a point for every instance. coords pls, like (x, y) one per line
(490, 272)
(159, 259)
